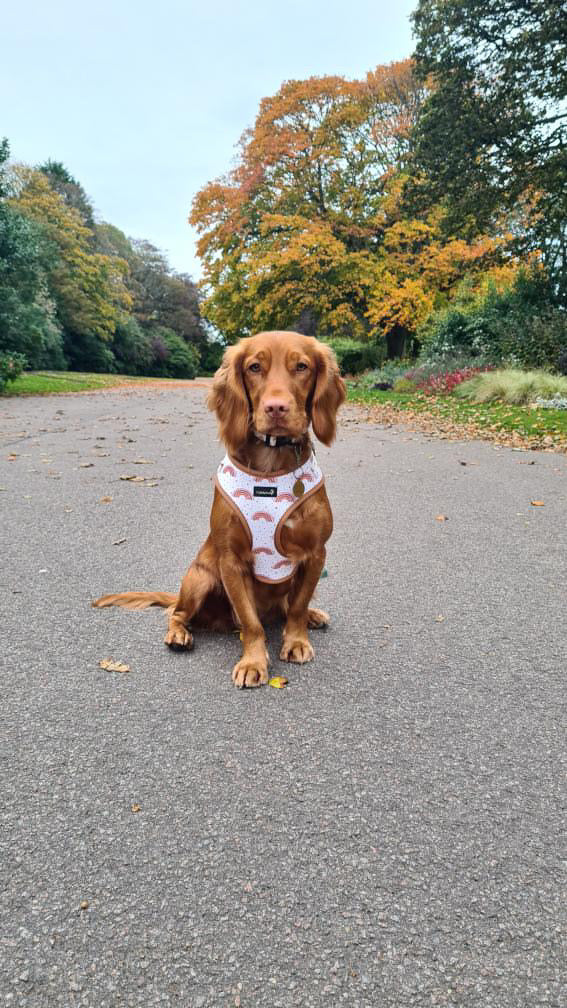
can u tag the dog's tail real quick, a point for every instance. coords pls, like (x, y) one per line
(136, 600)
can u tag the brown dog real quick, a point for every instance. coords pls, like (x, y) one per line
(268, 390)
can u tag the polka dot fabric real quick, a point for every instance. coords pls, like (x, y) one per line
(264, 502)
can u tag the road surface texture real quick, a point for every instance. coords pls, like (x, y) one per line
(386, 831)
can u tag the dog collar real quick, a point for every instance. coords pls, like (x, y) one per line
(277, 440)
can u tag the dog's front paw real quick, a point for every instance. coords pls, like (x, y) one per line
(179, 639)
(296, 650)
(250, 672)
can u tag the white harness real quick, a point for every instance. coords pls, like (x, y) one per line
(264, 503)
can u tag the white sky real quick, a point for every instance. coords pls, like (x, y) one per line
(144, 102)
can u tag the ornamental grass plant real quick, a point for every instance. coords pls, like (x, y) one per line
(512, 385)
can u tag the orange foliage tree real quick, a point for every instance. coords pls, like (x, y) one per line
(307, 230)
(290, 235)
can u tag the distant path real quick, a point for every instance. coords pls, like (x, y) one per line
(386, 832)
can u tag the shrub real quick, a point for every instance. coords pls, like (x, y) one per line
(354, 357)
(520, 325)
(385, 375)
(132, 348)
(173, 357)
(11, 367)
(404, 385)
(211, 357)
(447, 381)
(513, 386)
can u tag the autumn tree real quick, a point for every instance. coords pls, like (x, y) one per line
(87, 287)
(71, 191)
(290, 236)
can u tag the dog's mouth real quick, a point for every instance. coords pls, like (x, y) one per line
(294, 428)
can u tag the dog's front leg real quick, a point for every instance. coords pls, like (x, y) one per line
(296, 646)
(252, 669)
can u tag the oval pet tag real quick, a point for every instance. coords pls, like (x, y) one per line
(298, 488)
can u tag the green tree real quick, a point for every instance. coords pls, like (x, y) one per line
(163, 297)
(492, 135)
(28, 319)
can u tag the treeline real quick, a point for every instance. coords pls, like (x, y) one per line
(423, 206)
(76, 293)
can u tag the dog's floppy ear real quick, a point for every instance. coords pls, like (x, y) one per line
(328, 395)
(228, 398)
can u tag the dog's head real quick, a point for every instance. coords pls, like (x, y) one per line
(277, 383)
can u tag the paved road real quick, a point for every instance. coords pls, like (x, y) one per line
(387, 831)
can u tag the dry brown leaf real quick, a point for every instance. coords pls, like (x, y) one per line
(105, 500)
(537, 503)
(109, 665)
(136, 808)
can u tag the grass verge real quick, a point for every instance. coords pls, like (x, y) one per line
(51, 382)
(493, 421)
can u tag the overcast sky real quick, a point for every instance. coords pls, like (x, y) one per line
(144, 102)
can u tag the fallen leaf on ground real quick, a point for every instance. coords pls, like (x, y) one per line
(105, 500)
(109, 665)
(136, 808)
(278, 681)
(537, 503)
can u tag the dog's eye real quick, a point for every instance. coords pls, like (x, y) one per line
(301, 366)
(255, 367)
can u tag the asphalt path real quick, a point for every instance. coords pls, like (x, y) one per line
(386, 831)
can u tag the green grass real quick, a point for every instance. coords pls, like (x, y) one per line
(50, 382)
(493, 416)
